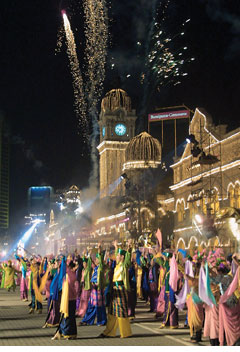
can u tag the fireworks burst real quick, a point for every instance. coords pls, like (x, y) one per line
(79, 103)
(167, 65)
(165, 61)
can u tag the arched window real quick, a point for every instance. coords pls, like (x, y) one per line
(237, 196)
(145, 218)
(231, 196)
(214, 204)
(192, 208)
(180, 211)
(203, 203)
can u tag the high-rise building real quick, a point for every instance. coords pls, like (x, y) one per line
(4, 174)
(39, 202)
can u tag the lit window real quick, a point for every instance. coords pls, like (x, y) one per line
(237, 196)
(231, 196)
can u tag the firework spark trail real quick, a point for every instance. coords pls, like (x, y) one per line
(96, 33)
(79, 103)
(60, 36)
(146, 75)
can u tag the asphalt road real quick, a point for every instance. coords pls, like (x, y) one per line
(18, 328)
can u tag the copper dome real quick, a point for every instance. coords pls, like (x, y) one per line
(115, 99)
(144, 147)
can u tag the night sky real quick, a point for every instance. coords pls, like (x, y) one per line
(36, 94)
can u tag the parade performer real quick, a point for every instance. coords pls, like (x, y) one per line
(118, 308)
(229, 309)
(58, 272)
(195, 305)
(96, 304)
(161, 285)
(153, 283)
(23, 283)
(85, 285)
(211, 321)
(145, 283)
(139, 274)
(68, 327)
(108, 276)
(9, 279)
(181, 298)
(132, 293)
(37, 285)
(170, 317)
(4, 265)
(79, 262)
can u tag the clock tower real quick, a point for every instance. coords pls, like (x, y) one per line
(117, 128)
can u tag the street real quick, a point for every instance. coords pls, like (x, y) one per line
(18, 328)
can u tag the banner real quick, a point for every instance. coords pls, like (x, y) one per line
(170, 115)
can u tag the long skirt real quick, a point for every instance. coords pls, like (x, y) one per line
(35, 304)
(96, 307)
(68, 326)
(229, 323)
(139, 283)
(195, 315)
(211, 322)
(170, 313)
(118, 313)
(132, 301)
(23, 288)
(119, 302)
(54, 315)
(78, 292)
(153, 294)
(18, 279)
(161, 303)
(83, 303)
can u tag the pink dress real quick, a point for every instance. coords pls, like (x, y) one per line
(211, 323)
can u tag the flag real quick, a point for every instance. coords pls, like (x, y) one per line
(204, 289)
(159, 237)
(173, 279)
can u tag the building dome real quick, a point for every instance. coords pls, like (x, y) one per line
(115, 99)
(143, 151)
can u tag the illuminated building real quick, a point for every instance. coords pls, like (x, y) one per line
(117, 127)
(39, 203)
(206, 183)
(4, 175)
(127, 210)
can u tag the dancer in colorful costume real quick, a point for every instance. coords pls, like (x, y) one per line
(58, 272)
(37, 285)
(195, 305)
(170, 317)
(118, 308)
(9, 279)
(68, 327)
(96, 304)
(85, 285)
(23, 283)
(229, 308)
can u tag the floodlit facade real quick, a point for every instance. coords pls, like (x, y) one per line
(206, 187)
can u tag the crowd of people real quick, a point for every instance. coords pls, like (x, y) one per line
(104, 286)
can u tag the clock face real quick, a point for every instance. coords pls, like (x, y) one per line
(120, 129)
(103, 131)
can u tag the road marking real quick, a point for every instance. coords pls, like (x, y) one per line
(161, 334)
